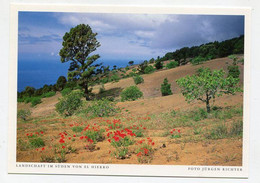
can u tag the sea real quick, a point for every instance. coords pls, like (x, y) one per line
(37, 74)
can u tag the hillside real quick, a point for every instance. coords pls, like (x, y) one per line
(151, 130)
(152, 100)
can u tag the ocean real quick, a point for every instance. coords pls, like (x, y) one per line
(38, 73)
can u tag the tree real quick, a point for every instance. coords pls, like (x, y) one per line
(29, 91)
(142, 67)
(78, 44)
(158, 64)
(166, 88)
(61, 82)
(131, 63)
(207, 85)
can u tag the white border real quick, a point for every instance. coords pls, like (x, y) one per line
(114, 169)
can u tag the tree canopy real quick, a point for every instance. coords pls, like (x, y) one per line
(207, 85)
(77, 46)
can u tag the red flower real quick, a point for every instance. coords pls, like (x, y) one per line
(37, 149)
(43, 149)
(146, 151)
(62, 141)
(152, 143)
(81, 137)
(63, 147)
(179, 131)
(139, 154)
(27, 134)
(41, 132)
(74, 135)
(171, 132)
(69, 138)
(174, 129)
(109, 140)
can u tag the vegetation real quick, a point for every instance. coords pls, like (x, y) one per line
(69, 104)
(138, 79)
(207, 85)
(131, 93)
(83, 41)
(48, 94)
(61, 83)
(171, 65)
(23, 114)
(102, 108)
(149, 69)
(66, 91)
(166, 88)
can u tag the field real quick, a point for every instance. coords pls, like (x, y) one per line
(155, 129)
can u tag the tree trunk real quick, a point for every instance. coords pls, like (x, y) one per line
(207, 103)
(86, 93)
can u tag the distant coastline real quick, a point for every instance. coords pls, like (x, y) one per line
(36, 74)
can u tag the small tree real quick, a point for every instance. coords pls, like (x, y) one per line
(207, 85)
(131, 63)
(131, 93)
(158, 64)
(142, 67)
(138, 79)
(61, 82)
(166, 88)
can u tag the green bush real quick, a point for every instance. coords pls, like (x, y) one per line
(166, 88)
(65, 91)
(36, 142)
(70, 103)
(149, 69)
(77, 129)
(48, 94)
(35, 101)
(131, 93)
(102, 108)
(23, 114)
(198, 60)
(115, 78)
(233, 71)
(138, 79)
(172, 64)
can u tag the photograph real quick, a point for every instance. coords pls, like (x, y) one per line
(101, 89)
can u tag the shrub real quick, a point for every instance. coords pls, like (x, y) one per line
(65, 91)
(132, 74)
(48, 94)
(102, 108)
(218, 132)
(35, 101)
(115, 78)
(69, 104)
(102, 89)
(172, 64)
(131, 93)
(138, 79)
(198, 60)
(23, 114)
(158, 64)
(149, 69)
(36, 142)
(233, 71)
(236, 128)
(166, 88)
(77, 129)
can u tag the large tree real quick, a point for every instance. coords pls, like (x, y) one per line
(78, 44)
(207, 85)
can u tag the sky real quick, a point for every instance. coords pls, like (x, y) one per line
(122, 37)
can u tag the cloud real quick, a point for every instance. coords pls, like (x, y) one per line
(128, 36)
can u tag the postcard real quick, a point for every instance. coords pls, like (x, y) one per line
(133, 91)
